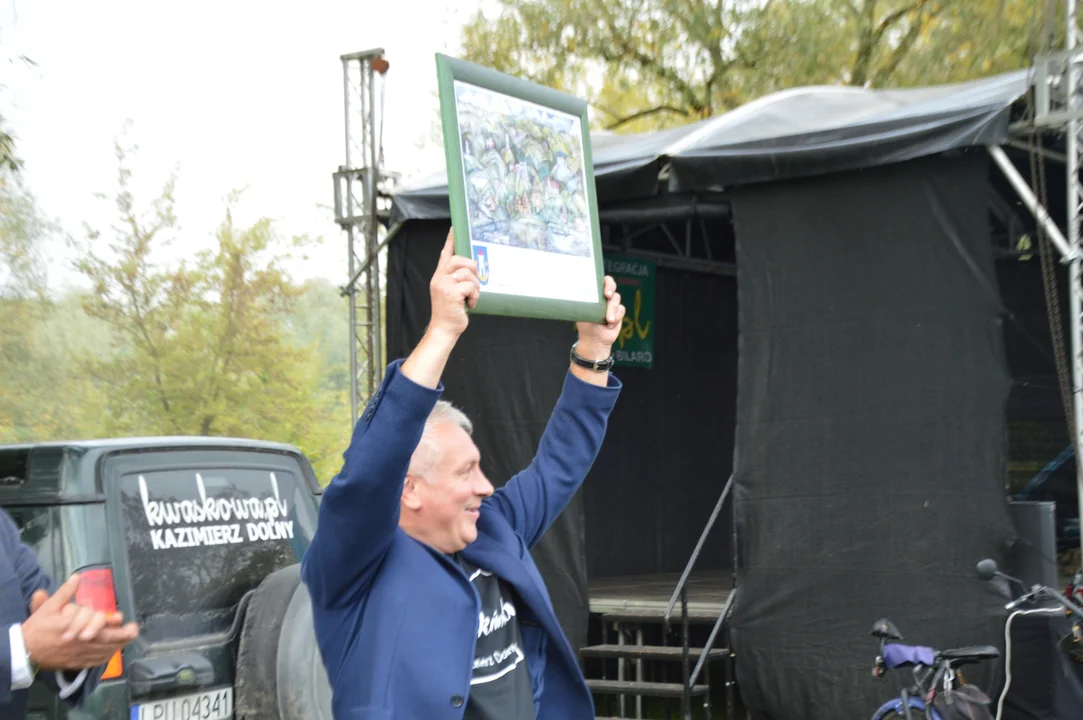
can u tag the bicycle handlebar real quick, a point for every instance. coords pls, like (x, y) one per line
(1040, 590)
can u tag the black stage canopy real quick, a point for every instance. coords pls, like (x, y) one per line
(803, 131)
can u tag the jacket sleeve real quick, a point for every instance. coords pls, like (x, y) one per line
(31, 579)
(360, 509)
(5, 667)
(534, 498)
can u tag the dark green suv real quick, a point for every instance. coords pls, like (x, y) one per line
(179, 534)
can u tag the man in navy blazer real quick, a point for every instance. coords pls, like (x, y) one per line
(426, 602)
(41, 628)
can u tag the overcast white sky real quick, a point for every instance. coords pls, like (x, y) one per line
(232, 93)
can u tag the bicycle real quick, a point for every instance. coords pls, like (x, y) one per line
(1071, 644)
(987, 570)
(939, 691)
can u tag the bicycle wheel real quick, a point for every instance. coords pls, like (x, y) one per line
(893, 710)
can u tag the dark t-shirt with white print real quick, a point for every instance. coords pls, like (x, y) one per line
(500, 686)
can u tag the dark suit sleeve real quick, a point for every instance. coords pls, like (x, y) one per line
(31, 579)
(360, 509)
(5, 667)
(534, 498)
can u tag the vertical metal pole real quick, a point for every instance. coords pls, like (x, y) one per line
(620, 669)
(707, 682)
(359, 217)
(1074, 299)
(731, 675)
(731, 671)
(639, 672)
(351, 290)
(605, 664)
(686, 695)
(666, 670)
(375, 359)
(733, 549)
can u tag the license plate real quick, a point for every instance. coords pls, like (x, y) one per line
(210, 705)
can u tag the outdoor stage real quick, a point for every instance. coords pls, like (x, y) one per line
(646, 596)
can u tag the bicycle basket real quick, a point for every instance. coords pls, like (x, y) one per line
(964, 703)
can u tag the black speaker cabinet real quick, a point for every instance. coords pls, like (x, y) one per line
(1034, 557)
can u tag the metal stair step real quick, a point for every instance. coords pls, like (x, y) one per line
(632, 687)
(648, 652)
(646, 615)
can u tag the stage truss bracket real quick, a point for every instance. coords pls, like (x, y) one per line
(357, 206)
(1052, 80)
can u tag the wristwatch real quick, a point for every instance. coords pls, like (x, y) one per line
(595, 365)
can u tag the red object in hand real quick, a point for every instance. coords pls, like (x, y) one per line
(96, 591)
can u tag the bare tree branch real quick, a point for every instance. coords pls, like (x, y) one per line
(872, 34)
(669, 74)
(651, 65)
(894, 17)
(902, 49)
(642, 114)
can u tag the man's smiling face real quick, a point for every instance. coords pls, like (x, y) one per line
(444, 504)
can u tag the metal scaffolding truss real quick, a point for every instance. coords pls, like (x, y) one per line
(1057, 111)
(361, 200)
(692, 234)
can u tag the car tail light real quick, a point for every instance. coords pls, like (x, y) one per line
(96, 591)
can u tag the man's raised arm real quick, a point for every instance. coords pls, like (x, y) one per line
(534, 498)
(360, 508)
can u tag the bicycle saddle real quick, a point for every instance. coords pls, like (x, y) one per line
(968, 655)
(896, 655)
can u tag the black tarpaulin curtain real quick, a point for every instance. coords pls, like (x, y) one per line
(506, 375)
(669, 447)
(870, 430)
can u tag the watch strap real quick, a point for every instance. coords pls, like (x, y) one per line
(594, 365)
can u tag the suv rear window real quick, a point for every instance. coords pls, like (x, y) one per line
(198, 539)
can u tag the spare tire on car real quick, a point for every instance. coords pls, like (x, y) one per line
(280, 673)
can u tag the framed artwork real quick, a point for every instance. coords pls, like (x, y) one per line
(521, 188)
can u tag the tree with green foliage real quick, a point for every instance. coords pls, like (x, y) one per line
(646, 64)
(8, 161)
(43, 393)
(22, 289)
(200, 346)
(317, 320)
(891, 43)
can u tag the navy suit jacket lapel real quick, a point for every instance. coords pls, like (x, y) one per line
(494, 557)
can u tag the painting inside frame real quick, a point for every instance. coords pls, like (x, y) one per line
(527, 191)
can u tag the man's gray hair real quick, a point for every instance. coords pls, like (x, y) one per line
(428, 454)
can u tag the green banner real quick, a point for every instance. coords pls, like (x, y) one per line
(635, 283)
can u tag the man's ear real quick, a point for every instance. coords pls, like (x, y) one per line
(410, 496)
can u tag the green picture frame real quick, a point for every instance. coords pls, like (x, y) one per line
(522, 194)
